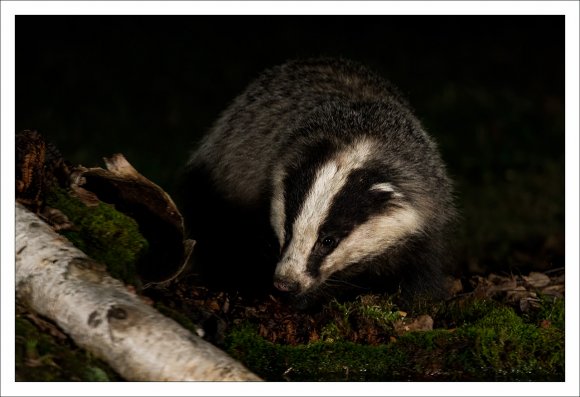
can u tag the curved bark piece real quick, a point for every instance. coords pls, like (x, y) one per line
(58, 281)
(159, 219)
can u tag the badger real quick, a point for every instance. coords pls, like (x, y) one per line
(319, 179)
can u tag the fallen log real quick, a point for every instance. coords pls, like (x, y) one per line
(58, 281)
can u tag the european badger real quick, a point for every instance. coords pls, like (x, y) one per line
(354, 188)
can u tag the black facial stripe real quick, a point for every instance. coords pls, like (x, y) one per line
(352, 206)
(299, 180)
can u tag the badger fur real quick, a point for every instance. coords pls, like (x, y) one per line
(324, 180)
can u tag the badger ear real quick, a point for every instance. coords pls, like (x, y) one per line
(386, 187)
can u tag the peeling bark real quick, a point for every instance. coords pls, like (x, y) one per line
(58, 281)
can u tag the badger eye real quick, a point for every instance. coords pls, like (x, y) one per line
(325, 245)
(328, 242)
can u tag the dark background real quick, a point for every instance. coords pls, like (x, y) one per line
(490, 89)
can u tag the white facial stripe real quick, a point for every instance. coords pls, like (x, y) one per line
(329, 180)
(371, 238)
(385, 187)
(277, 210)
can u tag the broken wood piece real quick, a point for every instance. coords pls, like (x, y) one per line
(58, 281)
(159, 219)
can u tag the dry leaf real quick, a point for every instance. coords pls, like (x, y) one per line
(537, 280)
(554, 290)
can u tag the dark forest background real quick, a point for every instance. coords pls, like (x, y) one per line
(490, 89)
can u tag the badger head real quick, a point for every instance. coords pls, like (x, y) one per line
(334, 212)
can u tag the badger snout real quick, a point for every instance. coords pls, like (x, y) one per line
(285, 284)
(290, 278)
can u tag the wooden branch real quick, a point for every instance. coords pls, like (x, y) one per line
(58, 281)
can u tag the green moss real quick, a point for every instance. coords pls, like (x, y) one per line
(379, 308)
(376, 311)
(381, 314)
(506, 346)
(103, 233)
(551, 310)
(499, 345)
(426, 340)
(461, 312)
(318, 361)
(331, 333)
(42, 357)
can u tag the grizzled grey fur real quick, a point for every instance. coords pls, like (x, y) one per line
(274, 139)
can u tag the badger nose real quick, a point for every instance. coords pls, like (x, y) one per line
(285, 285)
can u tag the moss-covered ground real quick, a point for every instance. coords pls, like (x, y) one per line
(492, 343)
(44, 354)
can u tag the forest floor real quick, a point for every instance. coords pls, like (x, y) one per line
(498, 327)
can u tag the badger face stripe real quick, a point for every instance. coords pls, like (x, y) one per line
(297, 182)
(356, 202)
(328, 181)
(386, 187)
(371, 238)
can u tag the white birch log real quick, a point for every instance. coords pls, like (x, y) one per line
(58, 281)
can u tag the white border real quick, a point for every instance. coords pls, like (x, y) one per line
(287, 7)
(10, 9)
(572, 196)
